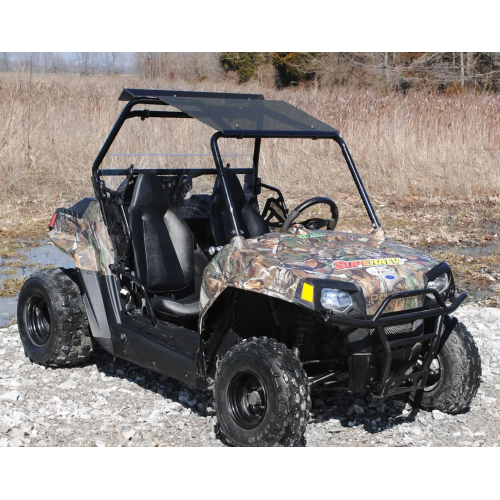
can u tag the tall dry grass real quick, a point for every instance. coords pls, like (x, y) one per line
(425, 144)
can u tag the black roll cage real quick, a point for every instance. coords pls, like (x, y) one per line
(128, 112)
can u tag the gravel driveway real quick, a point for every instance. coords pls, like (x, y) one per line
(114, 403)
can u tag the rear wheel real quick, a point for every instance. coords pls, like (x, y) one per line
(52, 320)
(261, 394)
(454, 374)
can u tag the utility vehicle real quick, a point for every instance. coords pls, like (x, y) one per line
(213, 291)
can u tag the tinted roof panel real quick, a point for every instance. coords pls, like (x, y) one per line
(231, 115)
(129, 94)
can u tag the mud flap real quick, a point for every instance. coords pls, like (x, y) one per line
(96, 312)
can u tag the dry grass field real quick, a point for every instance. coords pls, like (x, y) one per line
(431, 162)
(428, 145)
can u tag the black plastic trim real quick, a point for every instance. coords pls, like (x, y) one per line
(68, 211)
(167, 349)
(437, 271)
(90, 284)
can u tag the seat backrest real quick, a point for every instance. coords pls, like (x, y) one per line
(251, 222)
(162, 242)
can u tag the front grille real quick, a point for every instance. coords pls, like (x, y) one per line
(399, 329)
(404, 329)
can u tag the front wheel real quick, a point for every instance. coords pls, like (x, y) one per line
(454, 374)
(261, 394)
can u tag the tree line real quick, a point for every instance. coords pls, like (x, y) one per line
(84, 63)
(449, 72)
(442, 71)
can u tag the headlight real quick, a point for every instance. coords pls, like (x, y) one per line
(440, 283)
(336, 300)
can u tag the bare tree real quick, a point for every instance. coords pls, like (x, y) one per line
(5, 62)
(111, 61)
(462, 69)
(83, 61)
(190, 66)
(89, 62)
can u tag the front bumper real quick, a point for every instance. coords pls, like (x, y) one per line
(400, 318)
(389, 385)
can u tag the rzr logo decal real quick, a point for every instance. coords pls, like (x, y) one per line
(351, 264)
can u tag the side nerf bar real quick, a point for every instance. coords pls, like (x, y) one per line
(398, 319)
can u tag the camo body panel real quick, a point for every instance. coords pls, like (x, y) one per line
(86, 240)
(274, 264)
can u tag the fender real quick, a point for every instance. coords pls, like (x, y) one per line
(80, 232)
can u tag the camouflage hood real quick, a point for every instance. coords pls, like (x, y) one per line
(274, 264)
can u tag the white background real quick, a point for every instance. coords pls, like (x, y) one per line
(255, 25)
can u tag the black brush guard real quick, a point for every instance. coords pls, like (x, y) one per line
(391, 385)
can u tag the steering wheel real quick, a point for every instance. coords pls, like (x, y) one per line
(314, 222)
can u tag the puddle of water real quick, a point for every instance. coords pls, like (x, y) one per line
(478, 251)
(43, 256)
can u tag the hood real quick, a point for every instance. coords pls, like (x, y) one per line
(275, 263)
(380, 266)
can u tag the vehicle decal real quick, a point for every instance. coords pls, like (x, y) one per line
(312, 235)
(307, 292)
(350, 264)
(378, 271)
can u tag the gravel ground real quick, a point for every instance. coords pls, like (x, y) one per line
(114, 403)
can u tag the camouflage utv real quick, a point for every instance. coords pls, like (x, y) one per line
(212, 291)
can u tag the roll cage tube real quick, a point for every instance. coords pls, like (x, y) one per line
(143, 114)
(357, 181)
(291, 135)
(127, 113)
(222, 175)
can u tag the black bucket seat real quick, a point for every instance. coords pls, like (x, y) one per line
(250, 221)
(166, 261)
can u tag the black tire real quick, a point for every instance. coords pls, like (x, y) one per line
(265, 367)
(52, 320)
(454, 386)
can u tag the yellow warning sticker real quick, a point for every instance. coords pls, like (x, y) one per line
(307, 292)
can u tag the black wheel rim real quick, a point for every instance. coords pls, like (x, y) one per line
(247, 400)
(38, 320)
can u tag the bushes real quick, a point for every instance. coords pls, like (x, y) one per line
(244, 63)
(293, 67)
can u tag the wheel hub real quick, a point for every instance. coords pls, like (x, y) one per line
(38, 320)
(434, 375)
(254, 399)
(247, 400)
